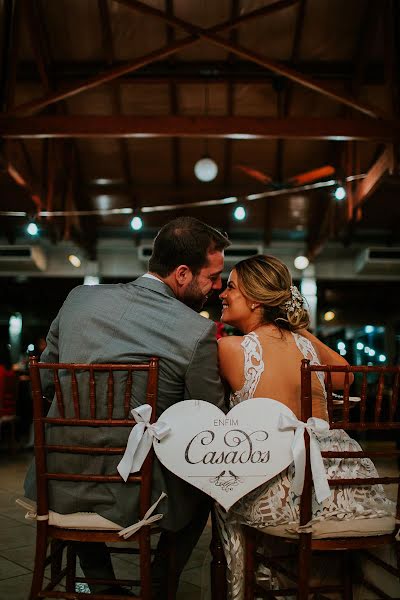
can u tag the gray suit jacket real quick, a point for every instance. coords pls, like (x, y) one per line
(129, 323)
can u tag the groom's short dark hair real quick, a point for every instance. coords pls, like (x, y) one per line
(185, 241)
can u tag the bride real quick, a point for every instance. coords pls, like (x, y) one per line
(261, 302)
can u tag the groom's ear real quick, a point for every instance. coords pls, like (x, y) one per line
(183, 275)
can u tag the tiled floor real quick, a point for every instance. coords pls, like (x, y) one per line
(17, 540)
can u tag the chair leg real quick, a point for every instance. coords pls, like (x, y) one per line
(172, 568)
(71, 569)
(304, 566)
(145, 564)
(40, 558)
(218, 563)
(56, 550)
(347, 568)
(249, 563)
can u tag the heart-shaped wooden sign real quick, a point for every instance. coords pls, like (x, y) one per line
(225, 456)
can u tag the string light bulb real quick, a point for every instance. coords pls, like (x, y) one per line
(137, 223)
(240, 213)
(32, 229)
(340, 193)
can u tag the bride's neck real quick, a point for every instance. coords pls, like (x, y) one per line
(267, 327)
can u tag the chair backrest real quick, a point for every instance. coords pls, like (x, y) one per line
(76, 405)
(376, 408)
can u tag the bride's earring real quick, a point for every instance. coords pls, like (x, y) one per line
(253, 306)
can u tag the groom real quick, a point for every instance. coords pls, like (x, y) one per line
(155, 315)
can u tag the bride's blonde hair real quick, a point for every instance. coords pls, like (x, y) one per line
(266, 280)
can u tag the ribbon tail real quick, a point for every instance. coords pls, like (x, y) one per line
(321, 486)
(299, 456)
(147, 520)
(125, 465)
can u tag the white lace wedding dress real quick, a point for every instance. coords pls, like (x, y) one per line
(274, 503)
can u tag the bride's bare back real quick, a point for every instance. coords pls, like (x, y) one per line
(280, 377)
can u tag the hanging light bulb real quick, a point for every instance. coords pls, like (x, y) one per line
(206, 169)
(301, 262)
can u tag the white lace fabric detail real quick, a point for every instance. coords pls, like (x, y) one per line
(309, 352)
(253, 368)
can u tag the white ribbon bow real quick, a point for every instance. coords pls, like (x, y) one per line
(147, 520)
(140, 440)
(321, 487)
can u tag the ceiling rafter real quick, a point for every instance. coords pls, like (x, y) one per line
(345, 156)
(230, 96)
(174, 101)
(285, 94)
(196, 33)
(108, 43)
(197, 72)
(278, 68)
(311, 128)
(155, 55)
(383, 165)
(11, 32)
(85, 230)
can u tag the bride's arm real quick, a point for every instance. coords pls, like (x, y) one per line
(328, 357)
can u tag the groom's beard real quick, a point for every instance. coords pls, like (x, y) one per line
(194, 297)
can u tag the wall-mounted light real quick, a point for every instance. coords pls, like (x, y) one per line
(32, 229)
(137, 223)
(74, 260)
(240, 213)
(301, 262)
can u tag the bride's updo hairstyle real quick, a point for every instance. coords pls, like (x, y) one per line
(266, 280)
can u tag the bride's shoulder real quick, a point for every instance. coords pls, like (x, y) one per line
(231, 360)
(230, 345)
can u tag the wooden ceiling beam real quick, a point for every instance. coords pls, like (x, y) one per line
(275, 66)
(155, 55)
(366, 186)
(230, 97)
(9, 53)
(108, 44)
(196, 33)
(173, 101)
(197, 72)
(222, 27)
(91, 126)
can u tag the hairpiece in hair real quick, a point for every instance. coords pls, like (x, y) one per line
(295, 304)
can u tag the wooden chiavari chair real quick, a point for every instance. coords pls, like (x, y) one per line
(74, 415)
(376, 415)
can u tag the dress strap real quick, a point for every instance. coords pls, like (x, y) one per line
(309, 352)
(253, 365)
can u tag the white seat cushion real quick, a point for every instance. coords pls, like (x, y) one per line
(81, 520)
(78, 520)
(338, 529)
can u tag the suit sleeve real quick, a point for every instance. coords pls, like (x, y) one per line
(50, 355)
(202, 381)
